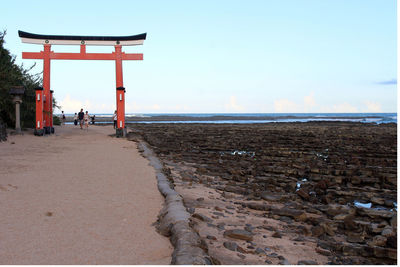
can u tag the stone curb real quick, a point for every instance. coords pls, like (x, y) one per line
(174, 219)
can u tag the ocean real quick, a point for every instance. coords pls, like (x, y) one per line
(376, 118)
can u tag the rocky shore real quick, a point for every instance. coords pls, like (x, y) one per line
(285, 193)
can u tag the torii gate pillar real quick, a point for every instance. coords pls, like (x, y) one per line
(121, 130)
(39, 111)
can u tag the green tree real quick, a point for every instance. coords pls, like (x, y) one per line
(11, 75)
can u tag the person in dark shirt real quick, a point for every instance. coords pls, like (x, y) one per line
(93, 119)
(80, 117)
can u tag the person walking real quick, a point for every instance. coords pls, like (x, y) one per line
(93, 119)
(86, 118)
(62, 118)
(80, 117)
(115, 119)
(75, 119)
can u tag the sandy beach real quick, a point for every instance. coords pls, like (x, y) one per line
(78, 197)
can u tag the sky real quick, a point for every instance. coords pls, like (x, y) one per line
(267, 56)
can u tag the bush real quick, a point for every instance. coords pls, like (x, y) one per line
(56, 120)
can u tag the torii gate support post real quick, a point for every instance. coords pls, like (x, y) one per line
(121, 130)
(46, 88)
(39, 111)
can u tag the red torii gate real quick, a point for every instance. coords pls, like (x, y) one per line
(44, 106)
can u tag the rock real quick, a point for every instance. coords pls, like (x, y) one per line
(375, 229)
(211, 237)
(230, 245)
(340, 217)
(277, 235)
(374, 213)
(258, 206)
(302, 230)
(235, 189)
(218, 208)
(378, 201)
(303, 193)
(228, 195)
(352, 249)
(380, 252)
(268, 262)
(202, 170)
(317, 231)
(191, 210)
(387, 231)
(349, 223)
(284, 262)
(268, 196)
(335, 209)
(307, 262)
(378, 240)
(241, 256)
(299, 238)
(298, 215)
(218, 214)
(260, 251)
(328, 228)
(322, 251)
(354, 238)
(249, 228)
(286, 219)
(393, 221)
(239, 234)
(202, 217)
(392, 241)
(242, 250)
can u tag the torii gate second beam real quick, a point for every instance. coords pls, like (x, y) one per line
(44, 114)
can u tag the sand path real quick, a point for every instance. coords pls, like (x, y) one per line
(78, 197)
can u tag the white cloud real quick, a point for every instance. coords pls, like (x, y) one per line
(155, 107)
(310, 105)
(70, 105)
(233, 106)
(309, 101)
(344, 108)
(133, 107)
(373, 107)
(285, 105)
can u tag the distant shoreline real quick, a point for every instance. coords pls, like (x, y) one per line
(248, 118)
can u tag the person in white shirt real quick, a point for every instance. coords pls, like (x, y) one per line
(86, 119)
(115, 119)
(76, 119)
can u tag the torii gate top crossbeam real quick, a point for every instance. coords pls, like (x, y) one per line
(32, 38)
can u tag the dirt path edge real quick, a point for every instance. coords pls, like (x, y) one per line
(173, 218)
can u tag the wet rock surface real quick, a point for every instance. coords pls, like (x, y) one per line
(329, 190)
